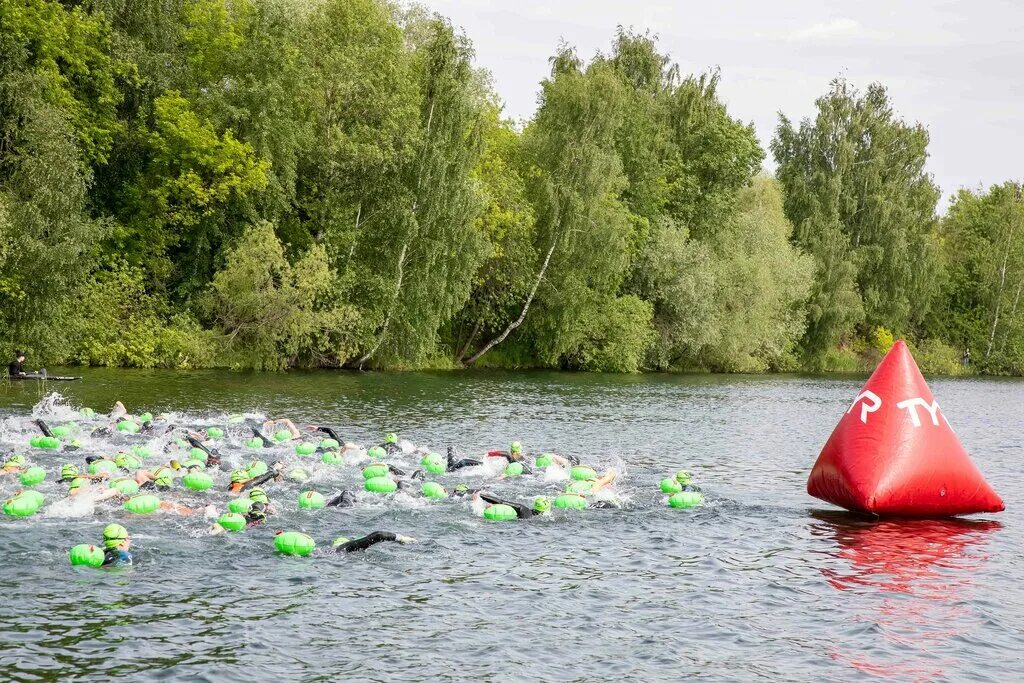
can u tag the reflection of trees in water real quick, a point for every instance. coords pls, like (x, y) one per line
(915, 575)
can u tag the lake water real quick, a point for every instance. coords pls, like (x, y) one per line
(761, 583)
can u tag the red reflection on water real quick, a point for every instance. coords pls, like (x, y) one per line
(919, 572)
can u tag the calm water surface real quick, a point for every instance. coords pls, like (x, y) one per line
(762, 583)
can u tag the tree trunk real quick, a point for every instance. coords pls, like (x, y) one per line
(1002, 282)
(469, 342)
(391, 310)
(522, 314)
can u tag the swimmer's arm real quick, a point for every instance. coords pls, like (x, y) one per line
(256, 481)
(43, 428)
(372, 539)
(396, 471)
(287, 424)
(259, 435)
(522, 512)
(607, 479)
(330, 432)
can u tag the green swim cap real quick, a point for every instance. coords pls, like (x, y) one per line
(239, 476)
(332, 458)
(434, 463)
(128, 487)
(142, 505)
(328, 444)
(579, 487)
(340, 540)
(670, 486)
(198, 454)
(298, 474)
(232, 521)
(254, 442)
(311, 500)
(544, 460)
(380, 485)
(77, 482)
(240, 505)
(583, 473)
(376, 453)
(23, 504)
(85, 555)
(513, 469)
(431, 489)
(197, 481)
(257, 468)
(516, 447)
(683, 477)
(391, 438)
(305, 448)
(214, 433)
(541, 504)
(500, 513)
(294, 543)
(164, 477)
(258, 495)
(100, 466)
(461, 488)
(282, 435)
(15, 461)
(685, 499)
(32, 476)
(113, 534)
(68, 471)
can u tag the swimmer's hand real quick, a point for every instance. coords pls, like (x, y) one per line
(278, 466)
(405, 540)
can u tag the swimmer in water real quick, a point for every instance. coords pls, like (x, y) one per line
(255, 516)
(240, 479)
(541, 505)
(279, 425)
(390, 444)
(344, 545)
(13, 465)
(258, 495)
(116, 545)
(456, 462)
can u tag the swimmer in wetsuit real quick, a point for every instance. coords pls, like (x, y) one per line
(13, 465)
(390, 444)
(343, 545)
(116, 545)
(240, 479)
(541, 505)
(455, 462)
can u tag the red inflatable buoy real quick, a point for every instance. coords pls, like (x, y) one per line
(894, 452)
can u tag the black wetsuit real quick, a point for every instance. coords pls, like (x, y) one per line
(454, 464)
(255, 481)
(345, 499)
(15, 368)
(43, 428)
(112, 557)
(212, 457)
(522, 511)
(331, 433)
(366, 541)
(267, 443)
(390, 448)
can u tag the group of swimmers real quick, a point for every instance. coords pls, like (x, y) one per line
(191, 455)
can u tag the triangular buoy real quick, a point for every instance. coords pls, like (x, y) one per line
(894, 452)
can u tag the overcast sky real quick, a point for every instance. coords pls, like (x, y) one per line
(956, 66)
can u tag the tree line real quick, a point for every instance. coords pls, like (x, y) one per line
(330, 183)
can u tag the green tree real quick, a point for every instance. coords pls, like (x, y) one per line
(864, 207)
(980, 308)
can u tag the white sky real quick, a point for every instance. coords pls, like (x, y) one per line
(954, 65)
